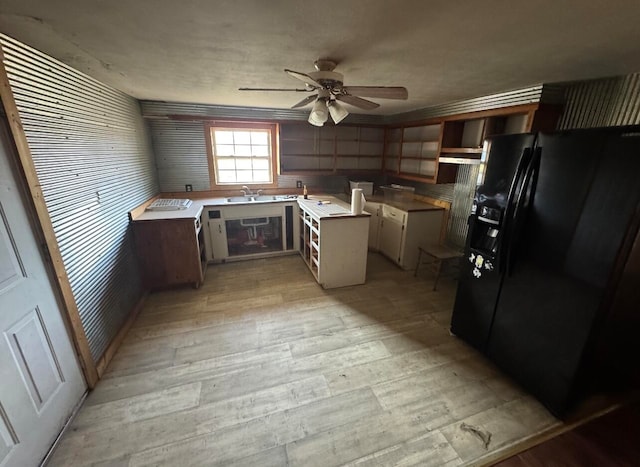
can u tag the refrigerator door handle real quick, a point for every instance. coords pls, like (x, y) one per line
(525, 158)
(520, 208)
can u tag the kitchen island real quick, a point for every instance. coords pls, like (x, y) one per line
(333, 242)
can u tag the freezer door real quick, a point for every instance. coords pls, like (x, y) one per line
(500, 159)
(480, 274)
(584, 195)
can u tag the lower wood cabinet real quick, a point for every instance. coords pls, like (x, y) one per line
(170, 251)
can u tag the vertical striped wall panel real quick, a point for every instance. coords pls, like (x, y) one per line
(181, 154)
(463, 192)
(602, 102)
(92, 154)
(443, 191)
(154, 109)
(530, 95)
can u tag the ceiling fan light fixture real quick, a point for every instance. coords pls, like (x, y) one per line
(315, 122)
(337, 111)
(330, 88)
(319, 113)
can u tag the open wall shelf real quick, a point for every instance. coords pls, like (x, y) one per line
(429, 151)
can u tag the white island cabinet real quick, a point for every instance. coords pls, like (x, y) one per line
(333, 243)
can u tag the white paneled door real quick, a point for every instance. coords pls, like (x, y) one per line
(40, 380)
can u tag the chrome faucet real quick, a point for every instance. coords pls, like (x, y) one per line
(246, 191)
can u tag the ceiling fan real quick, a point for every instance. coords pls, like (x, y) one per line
(330, 89)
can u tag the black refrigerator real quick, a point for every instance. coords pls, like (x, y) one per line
(552, 226)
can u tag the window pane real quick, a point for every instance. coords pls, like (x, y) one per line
(226, 176)
(242, 163)
(224, 150)
(260, 137)
(261, 175)
(224, 137)
(245, 176)
(261, 151)
(242, 150)
(242, 137)
(226, 163)
(261, 164)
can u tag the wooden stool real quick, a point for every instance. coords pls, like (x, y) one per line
(438, 254)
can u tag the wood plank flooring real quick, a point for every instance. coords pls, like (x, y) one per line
(607, 441)
(261, 366)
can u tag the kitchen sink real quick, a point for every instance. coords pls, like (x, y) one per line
(260, 198)
(239, 199)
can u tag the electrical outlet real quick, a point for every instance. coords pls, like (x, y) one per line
(188, 187)
(298, 183)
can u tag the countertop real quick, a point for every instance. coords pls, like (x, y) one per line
(192, 212)
(329, 207)
(410, 205)
(195, 210)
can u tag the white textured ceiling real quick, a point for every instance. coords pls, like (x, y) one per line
(441, 50)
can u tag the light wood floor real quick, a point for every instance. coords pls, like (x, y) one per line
(263, 367)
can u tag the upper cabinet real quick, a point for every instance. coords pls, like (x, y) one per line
(467, 136)
(428, 151)
(330, 149)
(413, 150)
(432, 151)
(306, 148)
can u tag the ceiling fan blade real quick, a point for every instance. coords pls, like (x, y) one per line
(308, 80)
(274, 89)
(357, 102)
(305, 101)
(383, 92)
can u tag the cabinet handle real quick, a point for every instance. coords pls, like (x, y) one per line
(219, 228)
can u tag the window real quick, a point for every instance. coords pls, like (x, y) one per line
(242, 153)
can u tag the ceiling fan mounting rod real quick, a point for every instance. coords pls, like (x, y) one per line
(325, 64)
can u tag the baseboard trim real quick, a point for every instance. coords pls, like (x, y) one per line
(115, 344)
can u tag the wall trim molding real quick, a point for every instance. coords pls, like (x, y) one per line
(71, 311)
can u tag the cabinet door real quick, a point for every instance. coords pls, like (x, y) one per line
(374, 224)
(390, 239)
(218, 239)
